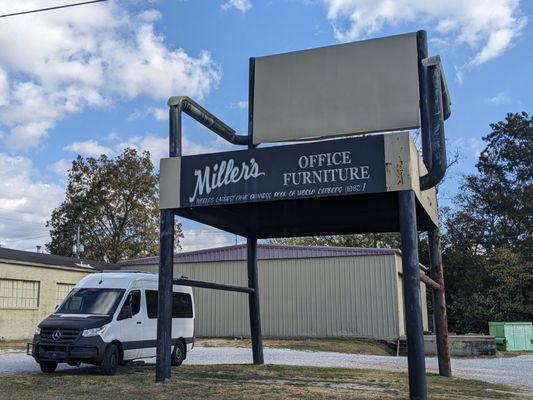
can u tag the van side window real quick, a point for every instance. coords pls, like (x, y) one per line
(181, 304)
(151, 303)
(134, 298)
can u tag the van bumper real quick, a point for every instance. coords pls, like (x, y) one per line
(85, 349)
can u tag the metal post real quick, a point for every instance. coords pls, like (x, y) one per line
(164, 305)
(438, 166)
(422, 50)
(439, 303)
(411, 293)
(166, 265)
(255, 316)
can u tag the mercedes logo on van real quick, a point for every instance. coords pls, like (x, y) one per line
(56, 335)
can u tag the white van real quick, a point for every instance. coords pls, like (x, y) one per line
(109, 319)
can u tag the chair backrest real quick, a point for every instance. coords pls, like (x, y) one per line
(353, 88)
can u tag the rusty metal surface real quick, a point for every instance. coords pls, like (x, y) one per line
(439, 300)
(428, 281)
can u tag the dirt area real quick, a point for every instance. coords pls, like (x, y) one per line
(507, 354)
(347, 346)
(14, 345)
(241, 382)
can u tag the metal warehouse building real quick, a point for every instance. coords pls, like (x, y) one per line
(304, 291)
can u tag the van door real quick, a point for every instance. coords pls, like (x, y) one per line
(182, 316)
(131, 329)
(150, 323)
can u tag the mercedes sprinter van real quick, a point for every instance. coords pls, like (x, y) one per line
(111, 318)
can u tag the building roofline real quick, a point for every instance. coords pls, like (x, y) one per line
(30, 258)
(265, 251)
(51, 266)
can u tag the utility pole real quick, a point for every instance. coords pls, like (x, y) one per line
(78, 247)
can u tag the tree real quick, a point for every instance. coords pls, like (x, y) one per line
(488, 237)
(509, 293)
(114, 203)
(388, 240)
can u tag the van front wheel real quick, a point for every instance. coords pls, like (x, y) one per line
(110, 360)
(178, 355)
(48, 367)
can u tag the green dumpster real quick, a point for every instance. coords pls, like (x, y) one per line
(512, 336)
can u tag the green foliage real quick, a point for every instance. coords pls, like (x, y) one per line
(388, 240)
(509, 292)
(498, 287)
(488, 237)
(114, 202)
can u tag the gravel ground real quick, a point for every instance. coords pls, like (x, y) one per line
(516, 371)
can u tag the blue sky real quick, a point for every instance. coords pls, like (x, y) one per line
(96, 78)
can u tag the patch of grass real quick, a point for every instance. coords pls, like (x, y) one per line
(241, 382)
(13, 345)
(349, 346)
(510, 354)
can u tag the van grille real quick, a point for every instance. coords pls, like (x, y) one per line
(66, 336)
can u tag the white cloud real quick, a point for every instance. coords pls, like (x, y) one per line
(136, 114)
(156, 145)
(486, 26)
(4, 87)
(74, 59)
(473, 145)
(159, 113)
(61, 167)
(498, 99)
(26, 203)
(111, 136)
(89, 148)
(239, 5)
(241, 104)
(196, 239)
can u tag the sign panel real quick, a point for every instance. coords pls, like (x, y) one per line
(358, 87)
(330, 168)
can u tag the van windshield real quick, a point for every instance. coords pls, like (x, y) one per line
(91, 301)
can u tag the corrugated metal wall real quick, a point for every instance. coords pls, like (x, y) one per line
(401, 306)
(321, 297)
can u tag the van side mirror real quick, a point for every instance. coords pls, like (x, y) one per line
(125, 312)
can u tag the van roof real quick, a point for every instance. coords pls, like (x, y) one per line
(119, 280)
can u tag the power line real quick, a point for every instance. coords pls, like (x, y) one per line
(51, 8)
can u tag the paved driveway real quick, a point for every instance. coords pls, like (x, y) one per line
(516, 371)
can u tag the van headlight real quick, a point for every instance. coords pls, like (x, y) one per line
(94, 331)
(38, 331)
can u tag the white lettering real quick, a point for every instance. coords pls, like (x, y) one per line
(223, 174)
